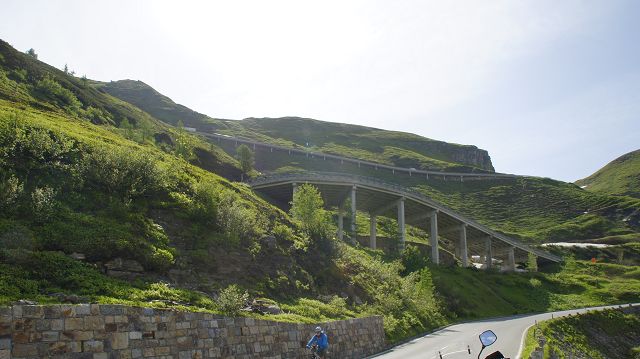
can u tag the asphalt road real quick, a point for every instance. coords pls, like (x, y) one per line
(453, 342)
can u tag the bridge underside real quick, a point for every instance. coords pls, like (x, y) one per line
(446, 229)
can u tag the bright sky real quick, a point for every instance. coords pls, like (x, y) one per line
(550, 88)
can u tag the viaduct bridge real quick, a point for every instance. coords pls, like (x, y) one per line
(427, 174)
(410, 207)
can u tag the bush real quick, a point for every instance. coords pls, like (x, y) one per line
(231, 300)
(32, 152)
(98, 116)
(413, 260)
(49, 89)
(307, 208)
(10, 190)
(42, 203)
(122, 173)
(236, 220)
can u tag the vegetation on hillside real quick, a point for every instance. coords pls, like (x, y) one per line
(85, 175)
(607, 334)
(619, 177)
(388, 147)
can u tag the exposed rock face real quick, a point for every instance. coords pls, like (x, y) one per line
(473, 157)
(124, 268)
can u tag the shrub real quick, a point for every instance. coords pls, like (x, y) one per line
(231, 300)
(42, 203)
(49, 89)
(32, 152)
(206, 198)
(98, 116)
(10, 190)
(307, 208)
(413, 260)
(237, 220)
(122, 173)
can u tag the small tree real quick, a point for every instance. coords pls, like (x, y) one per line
(307, 208)
(184, 143)
(31, 52)
(532, 263)
(246, 158)
(231, 300)
(127, 127)
(66, 69)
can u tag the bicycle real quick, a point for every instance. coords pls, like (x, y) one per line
(314, 352)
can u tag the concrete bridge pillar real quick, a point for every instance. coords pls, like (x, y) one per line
(511, 259)
(488, 253)
(295, 188)
(372, 230)
(433, 237)
(354, 229)
(340, 223)
(464, 256)
(401, 226)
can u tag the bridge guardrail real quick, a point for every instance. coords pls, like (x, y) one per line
(402, 191)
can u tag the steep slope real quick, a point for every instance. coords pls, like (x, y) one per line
(91, 212)
(159, 106)
(533, 209)
(619, 177)
(389, 147)
(94, 212)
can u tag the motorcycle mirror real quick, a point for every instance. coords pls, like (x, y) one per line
(487, 338)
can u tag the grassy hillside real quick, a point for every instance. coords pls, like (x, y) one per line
(619, 177)
(388, 147)
(530, 208)
(533, 209)
(87, 180)
(610, 334)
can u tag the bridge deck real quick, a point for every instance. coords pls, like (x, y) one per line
(379, 198)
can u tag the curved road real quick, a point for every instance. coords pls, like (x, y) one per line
(453, 342)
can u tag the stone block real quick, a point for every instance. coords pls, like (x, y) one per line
(50, 336)
(82, 309)
(92, 346)
(17, 311)
(136, 353)
(5, 354)
(100, 356)
(33, 311)
(119, 340)
(25, 350)
(5, 343)
(76, 335)
(73, 324)
(93, 322)
(111, 310)
(135, 335)
(57, 324)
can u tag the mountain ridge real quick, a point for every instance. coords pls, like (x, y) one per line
(391, 147)
(619, 177)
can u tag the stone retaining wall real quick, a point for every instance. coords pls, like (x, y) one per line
(96, 331)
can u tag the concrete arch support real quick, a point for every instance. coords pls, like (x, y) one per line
(354, 228)
(401, 225)
(433, 237)
(372, 230)
(464, 255)
(488, 253)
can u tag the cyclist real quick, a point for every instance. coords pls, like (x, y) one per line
(320, 340)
